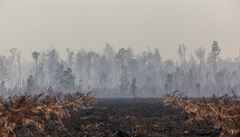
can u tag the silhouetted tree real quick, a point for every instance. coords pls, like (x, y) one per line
(35, 56)
(67, 80)
(215, 51)
(133, 87)
(30, 83)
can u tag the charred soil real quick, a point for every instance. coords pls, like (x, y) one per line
(124, 118)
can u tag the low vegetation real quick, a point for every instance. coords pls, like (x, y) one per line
(223, 112)
(24, 110)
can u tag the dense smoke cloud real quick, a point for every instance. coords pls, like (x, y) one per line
(122, 73)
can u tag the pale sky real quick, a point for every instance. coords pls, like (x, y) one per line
(30, 25)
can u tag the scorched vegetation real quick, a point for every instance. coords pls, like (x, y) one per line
(223, 112)
(24, 110)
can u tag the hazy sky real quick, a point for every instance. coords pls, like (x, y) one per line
(37, 24)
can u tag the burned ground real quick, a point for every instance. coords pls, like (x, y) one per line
(125, 118)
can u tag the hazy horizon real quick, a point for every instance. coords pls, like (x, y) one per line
(79, 24)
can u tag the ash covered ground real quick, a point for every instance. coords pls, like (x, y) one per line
(125, 118)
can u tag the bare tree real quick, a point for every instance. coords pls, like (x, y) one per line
(35, 56)
(13, 51)
(215, 51)
(182, 54)
(19, 70)
(200, 53)
(70, 55)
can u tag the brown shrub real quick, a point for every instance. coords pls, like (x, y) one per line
(35, 110)
(223, 112)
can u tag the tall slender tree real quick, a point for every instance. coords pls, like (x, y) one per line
(13, 51)
(19, 70)
(35, 56)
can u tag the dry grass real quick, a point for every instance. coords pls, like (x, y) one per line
(19, 111)
(223, 112)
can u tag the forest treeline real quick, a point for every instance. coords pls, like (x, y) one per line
(122, 73)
